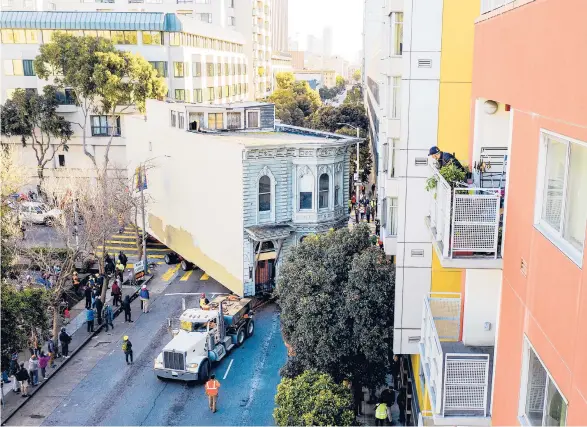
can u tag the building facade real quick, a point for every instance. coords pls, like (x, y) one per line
(272, 186)
(540, 371)
(317, 78)
(201, 64)
(279, 25)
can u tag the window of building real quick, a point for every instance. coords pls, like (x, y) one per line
(219, 69)
(541, 403)
(202, 1)
(306, 187)
(215, 121)
(65, 96)
(152, 38)
(28, 67)
(392, 156)
(226, 91)
(219, 92)
(323, 190)
(105, 126)
(233, 69)
(231, 21)
(197, 69)
(264, 194)
(210, 94)
(398, 33)
(396, 97)
(210, 70)
(180, 94)
(226, 69)
(252, 119)
(124, 37)
(392, 214)
(337, 188)
(7, 36)
(174, 39)
(204, 17)
(13, 67)
(178, 69)
(234, 120)
(238, 68)
(174, 119)
(231, 4)
(562, 200)
(181, 120)
(160, 67)
(198, 95)
(19, 36)
(61, 159)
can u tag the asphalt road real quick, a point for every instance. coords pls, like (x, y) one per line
(98, 388)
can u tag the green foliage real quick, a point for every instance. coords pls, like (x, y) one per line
(294, 101)
(285, 80)
(354, 95)
(12, 178)
(23, 314)
(431, 183)
(357, 75)
(340, 83)
(452, 174)
(313, 399)
(336, 292)
(327, 93)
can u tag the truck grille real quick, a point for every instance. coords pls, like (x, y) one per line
(173, 360)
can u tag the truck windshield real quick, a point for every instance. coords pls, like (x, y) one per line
(196, 326)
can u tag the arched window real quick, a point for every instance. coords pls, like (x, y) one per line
(337, 189)
(306, 186)
(323, 186)
(264, 194)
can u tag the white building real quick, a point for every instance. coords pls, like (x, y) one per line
(327, 41)
(200, 63)
(279, 25)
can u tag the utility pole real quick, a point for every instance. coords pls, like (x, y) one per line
(142, 172)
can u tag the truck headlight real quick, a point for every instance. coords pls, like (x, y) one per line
(192, 366)
(158, 364)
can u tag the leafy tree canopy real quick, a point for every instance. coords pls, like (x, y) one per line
(336, 292)
(354, 95)
(294, 100)
(313, 399)
(340, 82)
(357, 75)
(285, 80)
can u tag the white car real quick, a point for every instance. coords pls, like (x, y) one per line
(38, 213)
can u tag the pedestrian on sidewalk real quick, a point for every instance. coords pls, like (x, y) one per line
(76, 282)
(144, 295)
(88, 295)
(108, 317)
(116, 294)
(356, 214)
(123, 259)
(65, 339)
(401, 403)
(368, 213)
(34, 370)
(380, 413)
(212, 386)
(23, 377)
(362, 211)
(43, 361)
(99, 282)
(90, 319)
(99, 307)
(395, 371)
(126, 308)
(120, 271)
(388, 396)
(127, 348)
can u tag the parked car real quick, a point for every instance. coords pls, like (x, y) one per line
(38, 213)
(174, 258)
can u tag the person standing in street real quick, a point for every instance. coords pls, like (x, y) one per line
(34, 370)
(368, 213)
(108, 317)
(380, 413)
(120, 271)
(126, 308)
(99, 307)
(43, 360)
(144, 295)
(76, 282)
(123, 259)
(23, 377)
(212, 386)
(401, 403)
(395, 371)
(65, 339)
(127, 348)
(88, 295)
(116, 294)
(51, 344)
(356, 213)
(90, 319)
(203, 301)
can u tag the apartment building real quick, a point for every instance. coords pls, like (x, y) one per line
(201, 64)
(250, 18)
(540, 369)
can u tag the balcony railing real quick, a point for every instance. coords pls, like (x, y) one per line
(458, 377)
(464, 221)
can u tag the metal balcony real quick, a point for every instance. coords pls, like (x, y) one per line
(458, 377)
(464, 222)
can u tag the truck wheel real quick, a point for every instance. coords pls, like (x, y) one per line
(167, 259)
(186, 265)
(49, 222)
(250, 328)
(204, 373)
(240, 336)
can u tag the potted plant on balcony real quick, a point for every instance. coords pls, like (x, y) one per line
(451, 173)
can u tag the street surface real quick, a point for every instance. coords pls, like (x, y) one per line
(98, 388)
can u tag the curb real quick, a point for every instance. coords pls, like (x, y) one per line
(133, 296)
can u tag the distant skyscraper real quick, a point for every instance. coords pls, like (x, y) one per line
(314, 44)
(279, 25)
(327, 41)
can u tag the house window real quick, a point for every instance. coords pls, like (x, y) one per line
(385, 157)
(173, 119)
(264, 194)
(180, 94)
(323, 191)
(174, 39)
(226, 91)
(152, 38)
(337, 188)
(105, 126)
(219, 92)
(160, 67)
(306, 191)
(234, 120)
(28, 67)
(542, 404)
(392, 156)
(215, 121)
(392, 231)
(210, 70)
(398, 33)
(231, 21)
(197, 69)
(178, 69)
(65, 96)
(226, 67)
(218, 68)
(563, 202)
(61, 158)
(252, 119)
(181, 120)
(204, 17)
(210, 94)
(395, 98)
(198, 95)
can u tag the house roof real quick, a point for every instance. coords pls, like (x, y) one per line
(270, 231)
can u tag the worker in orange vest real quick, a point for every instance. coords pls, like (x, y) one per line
(212, 386)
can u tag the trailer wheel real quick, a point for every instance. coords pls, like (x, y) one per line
(204, 373)
(240, 336)
(250, 328)
(186, 265)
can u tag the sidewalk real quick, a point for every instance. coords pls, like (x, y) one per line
(79, 337)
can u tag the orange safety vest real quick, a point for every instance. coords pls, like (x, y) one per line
(212, 387)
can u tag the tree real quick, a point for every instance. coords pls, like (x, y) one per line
(313, 399)
(336, 293)
(329, 118)
(285, 80)
(365, 157)
(104, 80)
(357, 75)
(354, 95)
(34, 119)
(326, 93)
(294, 101)
(340, 84)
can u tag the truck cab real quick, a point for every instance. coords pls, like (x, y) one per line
(205, 336)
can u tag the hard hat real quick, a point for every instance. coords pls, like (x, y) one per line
(125, 338)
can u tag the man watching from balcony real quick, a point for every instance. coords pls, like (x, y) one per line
(443, 158)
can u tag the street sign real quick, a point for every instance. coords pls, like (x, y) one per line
(139, 268)
(356, 177)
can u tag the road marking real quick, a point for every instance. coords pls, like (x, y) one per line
(129, 242)
(170, 272)
(131, 252)
(116, 248)
(228, 370)
(211, 295)
(186, 276)
(204, 277)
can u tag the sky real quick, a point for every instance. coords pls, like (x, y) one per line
(345, 17)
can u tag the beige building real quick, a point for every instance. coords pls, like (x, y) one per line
(317, 78)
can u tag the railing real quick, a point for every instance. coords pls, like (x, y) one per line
(464, 220)
(489, 5)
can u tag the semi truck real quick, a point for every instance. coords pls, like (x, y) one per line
(205, 335)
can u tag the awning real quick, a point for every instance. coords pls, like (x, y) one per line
(263, 233)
